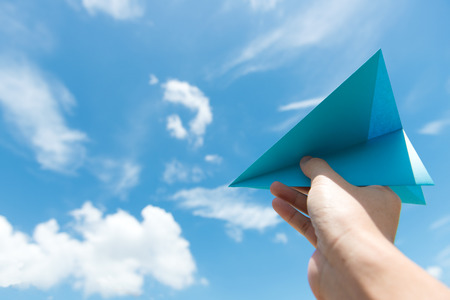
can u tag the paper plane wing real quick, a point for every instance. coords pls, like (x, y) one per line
(357, 130)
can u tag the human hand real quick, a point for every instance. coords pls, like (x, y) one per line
(344, 224)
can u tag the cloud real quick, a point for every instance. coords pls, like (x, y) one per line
(33, 106)
(263, 5)
(112, 258)
(301, 104)
(435, 127)
(435, 271)
(440, 223)
(287, 123)
(153, 80)
(281, 238)
(181, 92)
(175, 127)
(118, 9)
(230, 205)
(177, 172)
(119, 176)
(213, 158)
(322, 23)
(18, 31)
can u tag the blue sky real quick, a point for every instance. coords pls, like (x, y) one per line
(122, 123)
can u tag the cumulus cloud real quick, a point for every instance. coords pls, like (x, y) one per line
(114, 255)
(233, 206)
(177, 172)
(213, 158)
(180, 92)
(118, 9)
(435, 127)
(153, 80)
(175, 127)
(33, 106)
(301, 104)
(119, 176)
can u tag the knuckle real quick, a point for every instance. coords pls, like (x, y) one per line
(389, 195)
(304, 227)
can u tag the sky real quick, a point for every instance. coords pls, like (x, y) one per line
(123, 122)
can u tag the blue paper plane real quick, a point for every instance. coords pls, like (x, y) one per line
(357, 130)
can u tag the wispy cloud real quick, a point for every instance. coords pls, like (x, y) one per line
(181, 92)
(439, 223)
(21, 32)
(301, 104)
(114, 255)
(153, 79)
(120, 176)
(213, 159)
(118, 9)
(33, 105)
(435, 127)
(178, 172)
(234, 207)
(323, 23)
(287, 123)
(443, 257)
(305, 105)
(435, 271)
(263, 5)
(281, 238)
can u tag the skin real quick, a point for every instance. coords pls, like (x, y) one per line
(353, 230)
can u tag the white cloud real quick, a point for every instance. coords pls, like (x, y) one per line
(287, 123)
(439, 223)
(33, 106)
(181, 92)
(177, 172)
(118, 9)
(435, 127)
(281, 237)
(120, 176)
(153, 80)
(203, 281)
(321, 23)
(233, 206)
(435, 271)
(301, 104)
(263, 5)
(176, 128)
(213, 158)
(114, 255)
(21, 31)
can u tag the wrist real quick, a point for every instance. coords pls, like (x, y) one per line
(361, 257)
(375, 269)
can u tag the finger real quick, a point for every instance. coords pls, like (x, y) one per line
(294, 218)
(302, 189)
(296, 199)
(313, 167)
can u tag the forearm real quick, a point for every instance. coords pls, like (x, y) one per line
(378, 270)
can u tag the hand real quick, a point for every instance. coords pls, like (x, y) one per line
(344, 222)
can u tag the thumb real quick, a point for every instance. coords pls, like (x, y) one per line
(313, 167)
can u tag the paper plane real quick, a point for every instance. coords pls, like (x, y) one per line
(357, 130)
